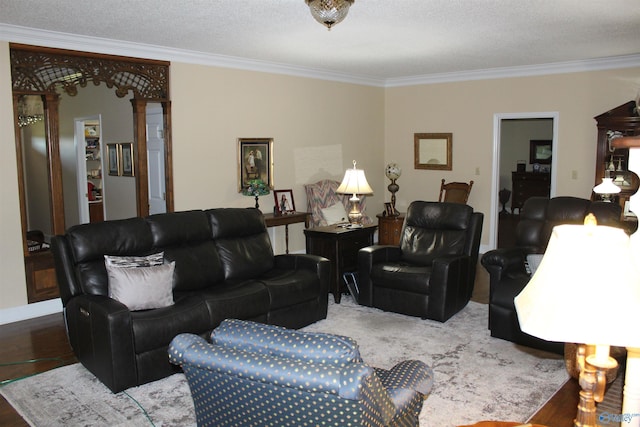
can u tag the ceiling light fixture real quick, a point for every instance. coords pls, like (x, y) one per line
(30, 110)
(329, 12)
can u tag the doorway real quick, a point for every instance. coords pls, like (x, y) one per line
(535, 126)
(89, 169)
(155, 159)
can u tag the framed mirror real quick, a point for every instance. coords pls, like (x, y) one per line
(432, 151)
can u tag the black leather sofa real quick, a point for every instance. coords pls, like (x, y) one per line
(508, 273)
(224, 268)
(431, 273)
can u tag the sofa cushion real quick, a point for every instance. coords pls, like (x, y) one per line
(185, 237)
(88, 244)
(153, 329)
(120, 237)
(290, 287)
(242, 242)
(401, 276)
(142, 288)
(198, 265)
(239, 299)
(433, 230)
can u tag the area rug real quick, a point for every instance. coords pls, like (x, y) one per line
(477, 377)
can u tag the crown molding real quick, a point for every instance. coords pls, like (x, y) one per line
(609, 63)
(45, 38)
(54, 39)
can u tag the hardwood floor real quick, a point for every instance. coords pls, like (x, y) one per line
(45, 338)
(43, 341)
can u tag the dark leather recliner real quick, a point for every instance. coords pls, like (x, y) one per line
(507, 270)
(431, 274)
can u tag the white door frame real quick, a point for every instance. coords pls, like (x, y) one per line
(495, 180)
(81, 163)
(156, 180)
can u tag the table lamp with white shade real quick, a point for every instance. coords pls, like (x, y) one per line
(587, 290)
(355, 183)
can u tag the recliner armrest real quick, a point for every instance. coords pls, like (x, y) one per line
(320, 265)
(302, 261)
(367, 257)
(500, 262)
(101, 335)
(448, 279)
(412, 375)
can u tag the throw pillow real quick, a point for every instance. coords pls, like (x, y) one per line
(142, 288)
(335, 214)
(135, 261)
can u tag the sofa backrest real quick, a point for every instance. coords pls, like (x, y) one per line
(278, 341)
(242, 241)
(435, 229)
(207, 246)
(79, 254)
(185, 237)
(540, 214)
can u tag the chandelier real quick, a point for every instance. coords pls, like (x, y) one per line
(329, 12)
(30, 110)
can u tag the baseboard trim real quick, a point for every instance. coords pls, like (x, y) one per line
(30, 311)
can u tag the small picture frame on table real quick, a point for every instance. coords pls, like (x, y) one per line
(284, 202)
(388, 209)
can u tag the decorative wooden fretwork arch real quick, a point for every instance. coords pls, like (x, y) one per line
(45, 70)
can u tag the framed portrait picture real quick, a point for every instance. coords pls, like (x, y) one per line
(255, 161)
(113, 155)
(126, 153)
(284, 202)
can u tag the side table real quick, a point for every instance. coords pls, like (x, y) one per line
(389, 229)
(272, 220)
(340, 245)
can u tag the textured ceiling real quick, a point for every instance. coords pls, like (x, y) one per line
(379, 39)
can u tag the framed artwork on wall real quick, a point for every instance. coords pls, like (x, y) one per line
(255, 161)
(432, 151)
(284, 202)
(113, 155)
(540, 151)
(126, 156)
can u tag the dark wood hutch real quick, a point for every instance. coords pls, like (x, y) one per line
(625, 121)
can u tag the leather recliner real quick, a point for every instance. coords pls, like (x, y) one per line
(508, 273)
(432, 272)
